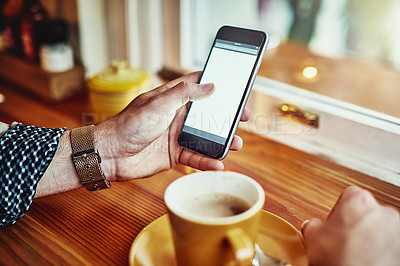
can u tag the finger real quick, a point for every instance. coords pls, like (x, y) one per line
(174, 98)
(246, 115)
(200, 162)
(316, 238)
(193, 77)
(237, 143)
(311, 228)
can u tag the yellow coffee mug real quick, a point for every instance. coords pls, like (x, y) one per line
(214, 216)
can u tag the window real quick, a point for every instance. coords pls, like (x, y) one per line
(337, 60)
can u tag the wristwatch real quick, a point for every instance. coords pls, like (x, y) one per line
(87, 160)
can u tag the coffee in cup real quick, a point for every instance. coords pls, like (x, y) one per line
(214, 205)
(214, 216)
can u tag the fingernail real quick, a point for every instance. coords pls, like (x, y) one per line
(207, 86)
(303, 225)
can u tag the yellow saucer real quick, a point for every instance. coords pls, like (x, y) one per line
(277, 237)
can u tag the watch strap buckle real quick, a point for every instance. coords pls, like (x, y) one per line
(87, 160)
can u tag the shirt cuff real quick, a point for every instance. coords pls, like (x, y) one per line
(25, 154)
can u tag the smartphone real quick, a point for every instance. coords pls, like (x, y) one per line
(232, 66)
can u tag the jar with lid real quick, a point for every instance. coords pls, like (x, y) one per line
(56, 54)
(111, 90)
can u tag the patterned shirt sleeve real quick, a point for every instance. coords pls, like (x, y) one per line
(25, 153)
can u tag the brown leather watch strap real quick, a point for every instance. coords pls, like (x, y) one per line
(87, 160)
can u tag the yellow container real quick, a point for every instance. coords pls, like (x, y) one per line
(111, 90)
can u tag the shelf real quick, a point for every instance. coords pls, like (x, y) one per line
(49, 86)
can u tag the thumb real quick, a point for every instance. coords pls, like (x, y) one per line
(182, 93)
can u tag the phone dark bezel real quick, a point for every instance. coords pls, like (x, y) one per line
(205, 146)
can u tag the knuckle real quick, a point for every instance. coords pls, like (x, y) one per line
(183, 84)
(351, 191)
(366, 197)
(359, 195)
(141, 97)
(202, 163)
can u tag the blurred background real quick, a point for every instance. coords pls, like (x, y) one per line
(346, 49)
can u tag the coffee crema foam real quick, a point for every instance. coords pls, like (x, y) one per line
(214, 205)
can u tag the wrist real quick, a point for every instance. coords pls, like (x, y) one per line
(103, 144)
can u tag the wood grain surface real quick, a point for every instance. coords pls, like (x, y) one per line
(83, 228)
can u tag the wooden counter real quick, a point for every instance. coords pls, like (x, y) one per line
(82, 228)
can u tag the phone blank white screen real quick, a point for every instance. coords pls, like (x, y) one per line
(230, 72)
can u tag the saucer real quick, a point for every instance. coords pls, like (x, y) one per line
(276, 237)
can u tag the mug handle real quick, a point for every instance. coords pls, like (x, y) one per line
(242, 246)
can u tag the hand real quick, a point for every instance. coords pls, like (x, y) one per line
(142, 139)
(358, 231)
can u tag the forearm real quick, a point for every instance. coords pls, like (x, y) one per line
(61, 175)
